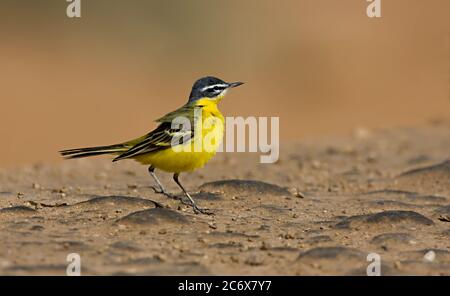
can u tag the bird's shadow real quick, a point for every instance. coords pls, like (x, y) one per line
(99, 200)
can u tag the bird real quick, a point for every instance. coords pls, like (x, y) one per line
(183, 141)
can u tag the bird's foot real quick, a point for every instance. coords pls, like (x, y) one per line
(171, 196)
(204, 211)
(194, 206)
(164, 192)
(158, 190)
(158, 205)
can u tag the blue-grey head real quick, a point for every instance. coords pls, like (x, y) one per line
(210, 87)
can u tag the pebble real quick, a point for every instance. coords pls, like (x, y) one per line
(398, 265)
(288, 236)
(254, 260)
(297, 193)
(160, 257)
(316, 164)
(429, 256)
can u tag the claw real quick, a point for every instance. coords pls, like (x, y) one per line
(204, 211)
(172, 196)
(158, 205)
(158, 190)
(161, 191)
(186, 203)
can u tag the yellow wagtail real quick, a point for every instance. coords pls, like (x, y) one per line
(172, 148)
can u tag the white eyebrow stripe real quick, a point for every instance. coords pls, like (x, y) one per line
(215, 85)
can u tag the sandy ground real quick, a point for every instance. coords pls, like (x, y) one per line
(321, 209)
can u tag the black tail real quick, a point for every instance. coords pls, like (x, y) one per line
(93, 151)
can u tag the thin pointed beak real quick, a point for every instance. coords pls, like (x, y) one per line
(235, 84)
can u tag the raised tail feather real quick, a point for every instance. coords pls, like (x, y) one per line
(93, 151)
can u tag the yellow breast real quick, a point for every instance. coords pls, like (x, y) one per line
(208, 135)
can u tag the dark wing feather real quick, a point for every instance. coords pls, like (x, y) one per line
(161, 138)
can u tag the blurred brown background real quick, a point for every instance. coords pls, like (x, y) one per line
(323, 66)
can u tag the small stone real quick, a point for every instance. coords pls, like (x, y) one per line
(315, 265)
(254, 260)
(162, 231)
(264, 246)
(62, 190)
(429, 256)
(160, 257)
(37, 228)
(316, 164)
(297, 193)
(288, 236)
(444, 218)
(371, 158)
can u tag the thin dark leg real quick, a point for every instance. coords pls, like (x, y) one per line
(193, 204)
(162, 190)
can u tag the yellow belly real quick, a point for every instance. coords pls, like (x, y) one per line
(194, 154)
(176, 162)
